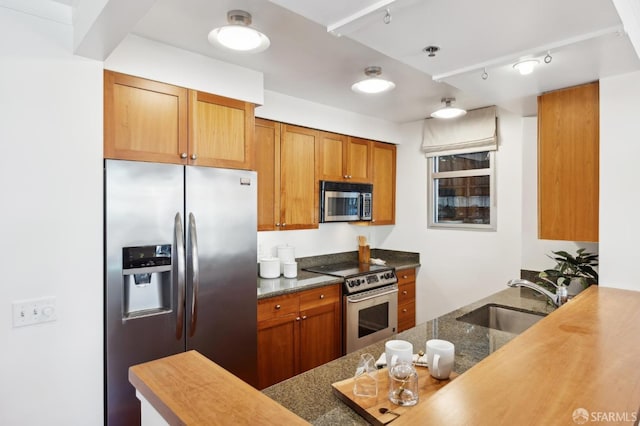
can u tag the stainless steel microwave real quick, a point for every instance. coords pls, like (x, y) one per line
(345, 202)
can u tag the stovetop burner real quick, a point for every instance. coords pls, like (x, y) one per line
(358, 277)
(346, 269)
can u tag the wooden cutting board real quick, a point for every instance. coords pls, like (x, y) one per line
(369, 408)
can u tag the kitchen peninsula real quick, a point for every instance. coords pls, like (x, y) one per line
(582, 356)
(575, 358)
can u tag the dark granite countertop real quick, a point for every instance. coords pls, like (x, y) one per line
(308, 280)
(310, 395)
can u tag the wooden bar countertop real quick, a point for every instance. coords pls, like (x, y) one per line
(579, 365)
(189, 389)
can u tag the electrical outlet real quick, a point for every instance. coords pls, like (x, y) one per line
(34, 311)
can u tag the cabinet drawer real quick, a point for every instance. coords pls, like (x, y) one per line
(405, 276)
(406, 293)
(406, 316)
(319, 296)
(275, 307)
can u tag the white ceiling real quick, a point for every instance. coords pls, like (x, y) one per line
(584, 37)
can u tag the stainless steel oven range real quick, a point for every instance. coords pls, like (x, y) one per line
(370, 308)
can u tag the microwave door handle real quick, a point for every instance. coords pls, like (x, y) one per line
(179, 272)
(195, 273)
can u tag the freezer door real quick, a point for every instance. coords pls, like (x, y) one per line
(222, 306)
(143, 231)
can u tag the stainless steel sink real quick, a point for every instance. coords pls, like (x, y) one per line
(504, 318)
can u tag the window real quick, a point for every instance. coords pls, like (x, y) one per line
(462, 191)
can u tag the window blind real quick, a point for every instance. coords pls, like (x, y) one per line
(473, 132)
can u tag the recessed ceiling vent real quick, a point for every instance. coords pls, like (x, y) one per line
(431, 50)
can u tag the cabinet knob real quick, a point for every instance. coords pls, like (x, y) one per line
(183, 155)
(298, 319)
(322, 296)
(284, 224)
(349, 177)
(278, 307)
(405, 277)
(404, 292)
(278, 224)
(194, 157)
(346, 176)
(304, 317)
(404, 311)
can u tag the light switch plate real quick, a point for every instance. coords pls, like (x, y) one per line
(34, 311)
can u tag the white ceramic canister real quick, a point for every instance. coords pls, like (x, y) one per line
(269, 267)
(290, 269)
(286, 254)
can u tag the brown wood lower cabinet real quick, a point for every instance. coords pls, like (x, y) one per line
(297, 332)
(406, 299)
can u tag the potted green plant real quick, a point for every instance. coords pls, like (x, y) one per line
(575, 272)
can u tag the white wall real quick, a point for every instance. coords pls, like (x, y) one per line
(51, 186)
(534, 251)
(156, 61)
(301, 112)
(458, 266)
(619, 177)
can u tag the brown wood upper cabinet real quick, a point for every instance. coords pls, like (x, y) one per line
(384, 183)
(568, 164)
(343, 158)
(147, 120)
(220, 131)
(287, 190)
(267, 136)
(144, 120)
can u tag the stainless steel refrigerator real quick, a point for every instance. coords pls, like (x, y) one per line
(180, 271)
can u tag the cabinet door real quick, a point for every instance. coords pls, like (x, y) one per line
(267, 141)
(144, 120)
(320, 326)
(331, 157)
(278, 349)
(342, 158)
(278, 338)
(359, 154)
(384, 183)
(298, 189)
(220, 131)
(320, 335)
(568, 164)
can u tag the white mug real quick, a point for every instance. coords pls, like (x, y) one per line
(440, 358)
(397, 351)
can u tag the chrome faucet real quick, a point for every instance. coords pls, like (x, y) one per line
(558, 299)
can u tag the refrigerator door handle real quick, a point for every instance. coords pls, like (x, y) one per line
(195, 272)
(179, 272)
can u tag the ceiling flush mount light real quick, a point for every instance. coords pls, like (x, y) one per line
(448, 111)
(238, 35)
(526, 66)
(373, 84)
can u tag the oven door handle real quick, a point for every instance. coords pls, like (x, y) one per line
(373, 296)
